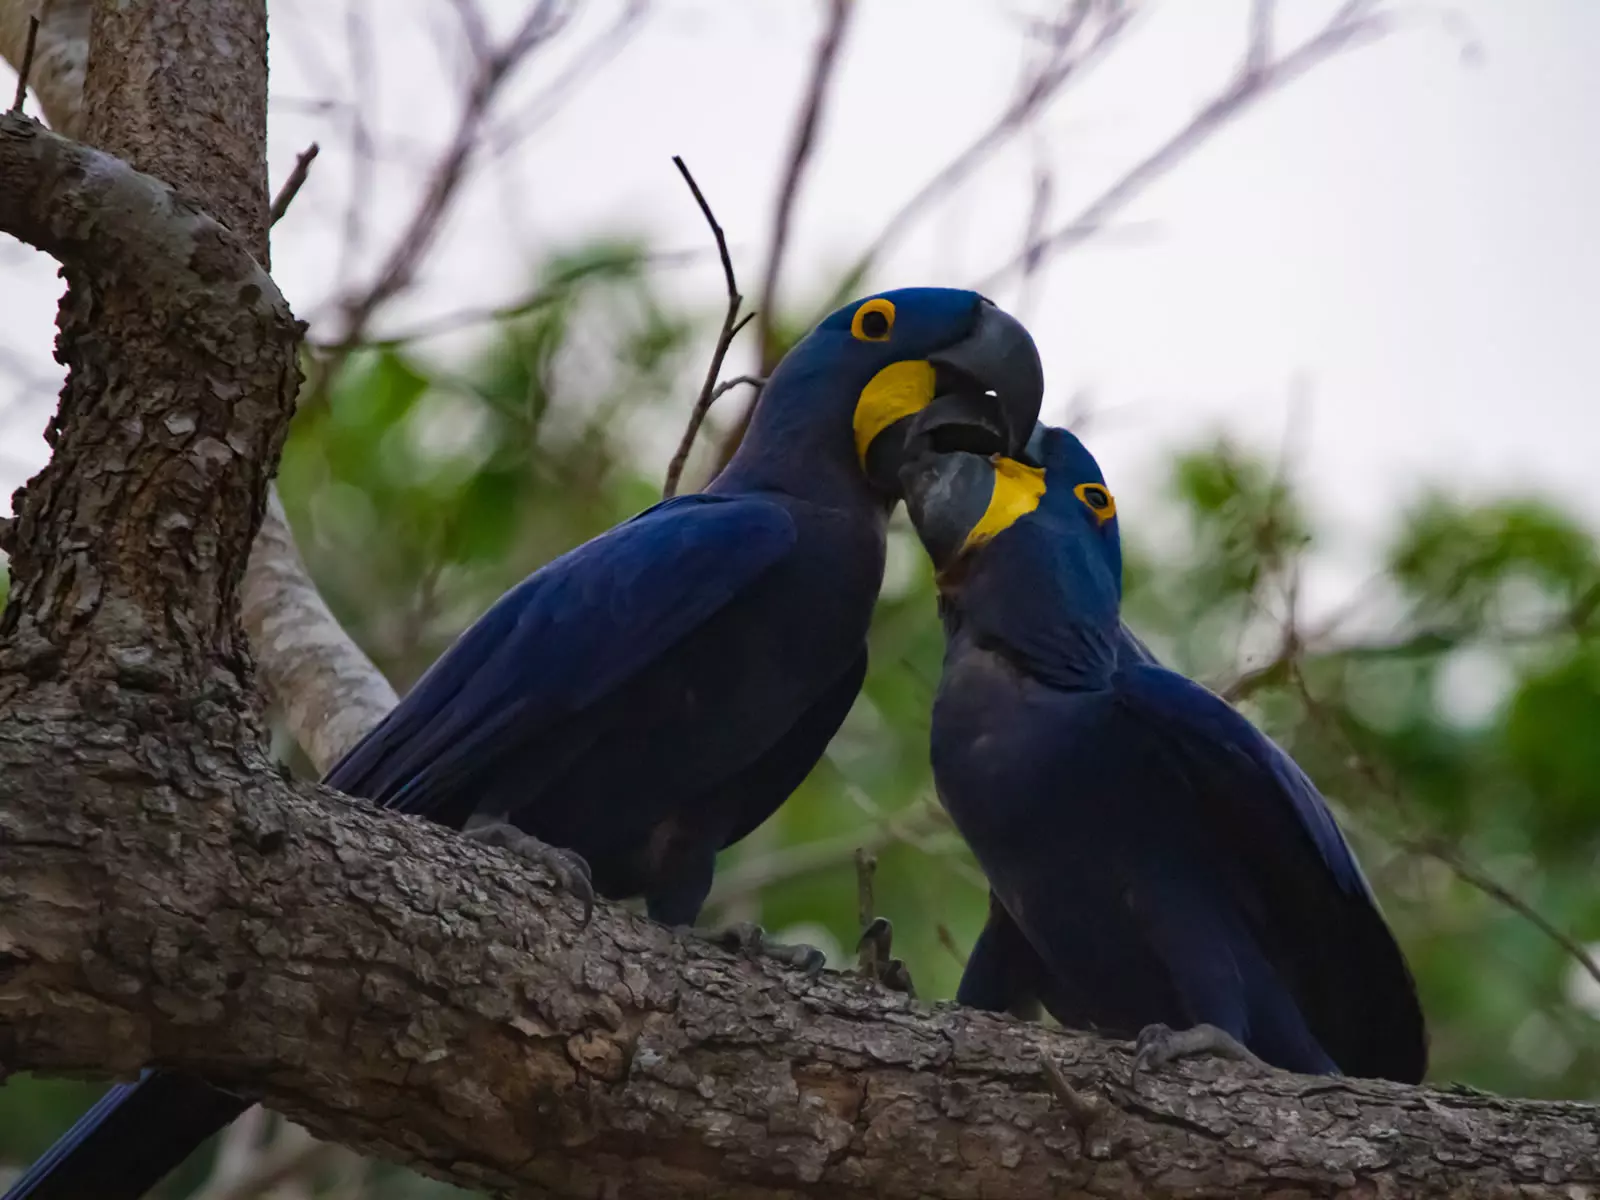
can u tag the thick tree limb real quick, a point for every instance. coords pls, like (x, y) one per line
(395, 988)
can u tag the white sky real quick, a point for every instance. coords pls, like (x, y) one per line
(1405, 235)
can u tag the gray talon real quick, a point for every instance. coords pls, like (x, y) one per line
(1158, 1045)
(749, 939)
(568, 866)
(873, 957)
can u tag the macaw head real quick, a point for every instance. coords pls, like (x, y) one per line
(899, 367)
(1027, 542)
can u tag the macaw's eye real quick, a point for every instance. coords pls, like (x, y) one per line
(873, 321)
(1098, 499)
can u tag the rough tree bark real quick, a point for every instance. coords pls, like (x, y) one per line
(168, 897)
(156, 103)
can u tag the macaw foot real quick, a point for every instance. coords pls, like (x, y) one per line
(750, 939)
(568, 866)
(874, 961)
(1158, 1045)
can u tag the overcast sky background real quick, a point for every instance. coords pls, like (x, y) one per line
(1402, 236)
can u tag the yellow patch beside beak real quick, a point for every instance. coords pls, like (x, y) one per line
(1017, 489)
(897, 391)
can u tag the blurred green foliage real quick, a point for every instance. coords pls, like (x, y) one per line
(1450, 719)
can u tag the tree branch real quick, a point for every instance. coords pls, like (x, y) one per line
(799, 158)
(1256, 78)
(307, 662)
(450, 1014)
(732, 323)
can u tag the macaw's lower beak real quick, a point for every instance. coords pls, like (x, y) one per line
(981, 394)
(959, 499)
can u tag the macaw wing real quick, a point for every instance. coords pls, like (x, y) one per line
(568, 635)
(1291, 874)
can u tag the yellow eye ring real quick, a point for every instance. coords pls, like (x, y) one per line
(874, 321)
(1098, 500)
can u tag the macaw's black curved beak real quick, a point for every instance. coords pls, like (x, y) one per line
(987, 389)
(947, 495)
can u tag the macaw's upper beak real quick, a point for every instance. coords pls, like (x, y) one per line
(981, 394)
(959, 499)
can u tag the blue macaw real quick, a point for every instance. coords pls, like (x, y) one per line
(652, 696)
(1159, 867)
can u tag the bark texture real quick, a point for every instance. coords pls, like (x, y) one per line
(411, 994)
(127, 550)
(185, 100)
(327, 688)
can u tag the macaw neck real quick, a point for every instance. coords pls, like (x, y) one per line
(1053, 613)
(800, 442)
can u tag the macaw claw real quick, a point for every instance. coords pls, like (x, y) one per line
(749, 939)
(1158, 1045)
(568, 866)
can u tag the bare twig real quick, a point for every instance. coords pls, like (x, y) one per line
(292, 185)
(866, 868)
(732, 322)
(800, 149)
(1431, 847)
(1072, 52)
(474, 29)
(27, 65)
(1467, 873)
(363, 147)
(542, 296)
(1038, 214)
(1259, 52)
(545, 19)
(1352, 26)
(1085, 1112)
(513, 131)
(948, 941)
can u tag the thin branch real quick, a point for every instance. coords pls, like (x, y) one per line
(292, 185)
(512, 132)
(805, 135)
(1467, 873)
(1259, 52)
(542, 23)
(732, 322)
(466, 318)
(474, 29)
(363, 147)
(27, 65)
(1038, 214)
(1066, 63)
(1351, 27)
(1432, 848)
(800, 149)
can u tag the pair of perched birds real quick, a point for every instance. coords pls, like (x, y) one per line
(1157, 865)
